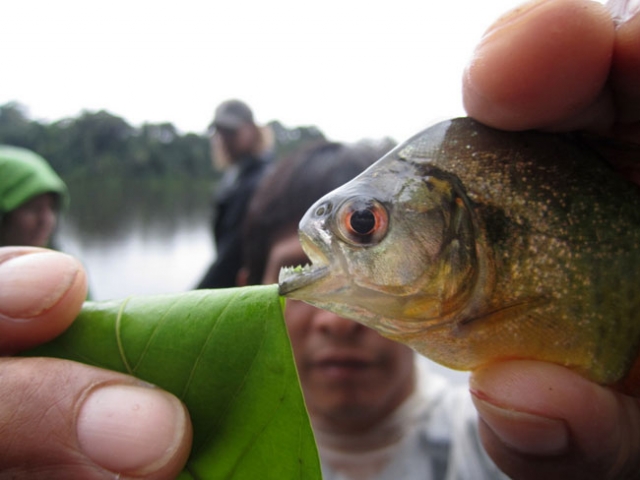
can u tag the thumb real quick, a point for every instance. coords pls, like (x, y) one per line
(61, 419)
(543, 65)
(41, 293)
(540, 420)
(65, 420)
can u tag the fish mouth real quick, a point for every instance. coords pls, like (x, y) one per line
(292, 279)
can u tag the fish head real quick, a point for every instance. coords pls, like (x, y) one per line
(392, 249)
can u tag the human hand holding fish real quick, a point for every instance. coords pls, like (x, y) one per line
(476, 247)
(539, 420)
(559, 66)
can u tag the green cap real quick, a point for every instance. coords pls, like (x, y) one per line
(24, 175)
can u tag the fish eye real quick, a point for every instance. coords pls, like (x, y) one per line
(362, 221)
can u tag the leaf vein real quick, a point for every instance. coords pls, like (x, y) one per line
(118, 331)
(213, 427)
(156, 328)
(196, 363)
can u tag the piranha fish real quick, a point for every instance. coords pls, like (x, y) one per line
(473, 245)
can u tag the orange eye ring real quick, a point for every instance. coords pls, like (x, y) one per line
(363, 221)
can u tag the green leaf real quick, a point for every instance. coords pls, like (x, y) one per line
(227, 355)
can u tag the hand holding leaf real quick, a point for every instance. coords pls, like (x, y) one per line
(226, 354)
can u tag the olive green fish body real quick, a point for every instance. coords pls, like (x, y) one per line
(474, 245)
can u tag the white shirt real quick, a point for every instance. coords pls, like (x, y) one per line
(431, 436)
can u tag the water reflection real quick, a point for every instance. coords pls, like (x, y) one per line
(138, 237)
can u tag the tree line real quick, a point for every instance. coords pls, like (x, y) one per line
(100, 143)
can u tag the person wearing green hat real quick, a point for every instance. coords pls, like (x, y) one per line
(31, 197)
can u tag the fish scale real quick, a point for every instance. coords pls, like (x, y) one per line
(499, 245)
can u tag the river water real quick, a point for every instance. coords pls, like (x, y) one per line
(139, 238)
(144, 238)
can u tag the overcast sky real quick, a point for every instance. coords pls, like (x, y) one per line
(356, 69)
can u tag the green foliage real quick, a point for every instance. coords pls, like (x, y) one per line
(99, 144)
(102, 144)
(16, 129)
(290, 139)
(227, 355)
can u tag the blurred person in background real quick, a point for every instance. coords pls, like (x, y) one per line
(242, 150)
(377, 413)
(31, 197)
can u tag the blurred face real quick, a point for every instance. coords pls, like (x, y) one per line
(32, 223)
(351, 376)
(238, 142)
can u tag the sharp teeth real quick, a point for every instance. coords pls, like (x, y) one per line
(297, 270)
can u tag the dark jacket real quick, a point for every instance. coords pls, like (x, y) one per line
(231, 202)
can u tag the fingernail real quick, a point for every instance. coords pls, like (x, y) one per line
(34, 282)
(132, 429)
(524, 432)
